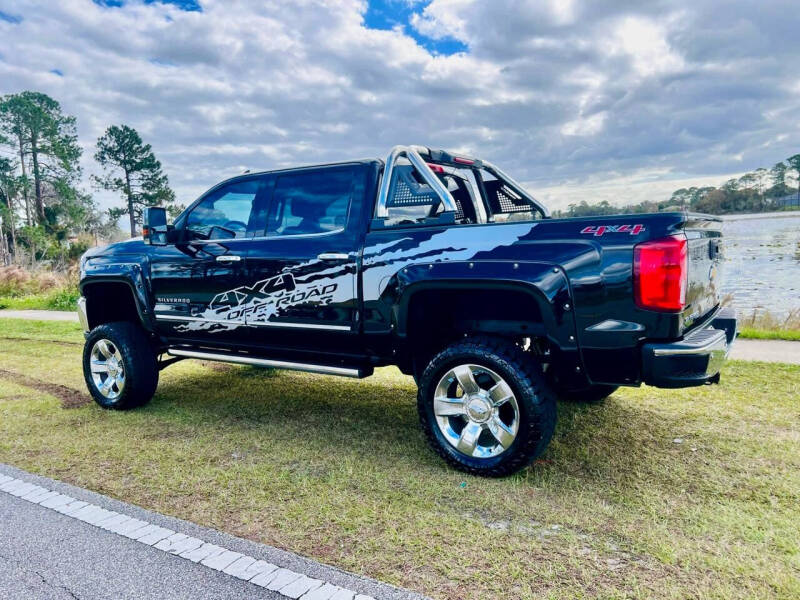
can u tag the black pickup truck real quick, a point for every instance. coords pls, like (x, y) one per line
(438, 263)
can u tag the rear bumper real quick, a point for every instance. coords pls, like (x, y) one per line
(695, 360)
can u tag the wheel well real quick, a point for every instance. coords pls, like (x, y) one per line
(107, 302)
(436, 317)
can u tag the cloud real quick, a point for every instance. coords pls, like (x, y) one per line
(563, 95)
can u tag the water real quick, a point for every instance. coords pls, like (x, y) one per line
(762, 268)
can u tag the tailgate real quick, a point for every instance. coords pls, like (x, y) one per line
(704, 235)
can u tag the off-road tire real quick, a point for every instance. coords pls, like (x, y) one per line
(535, 399)
(591, 394)
(139, 361)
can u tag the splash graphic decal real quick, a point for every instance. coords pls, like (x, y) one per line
(257, 304)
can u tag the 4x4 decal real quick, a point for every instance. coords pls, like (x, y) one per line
(598, 230)
(257, 304)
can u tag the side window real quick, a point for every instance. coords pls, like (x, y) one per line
(410, 199)
(225, 212)
(310, 202)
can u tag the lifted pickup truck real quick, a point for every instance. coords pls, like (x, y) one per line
(438, 263)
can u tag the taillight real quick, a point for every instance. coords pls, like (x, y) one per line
(660, 269)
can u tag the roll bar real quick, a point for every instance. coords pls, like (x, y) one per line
(516, 187)
(412, 153)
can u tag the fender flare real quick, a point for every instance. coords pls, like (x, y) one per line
(129, 274)
(544, 283)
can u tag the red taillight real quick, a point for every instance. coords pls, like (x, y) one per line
(435, 168)
(463, 161)
(660, 270)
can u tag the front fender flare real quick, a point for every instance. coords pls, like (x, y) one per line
(130, 274)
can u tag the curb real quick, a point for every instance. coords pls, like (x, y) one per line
(285, 573)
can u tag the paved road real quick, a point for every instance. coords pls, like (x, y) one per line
(50, 549)
(766, 350)
(780, 351)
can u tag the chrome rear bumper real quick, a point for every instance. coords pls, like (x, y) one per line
(694, 360)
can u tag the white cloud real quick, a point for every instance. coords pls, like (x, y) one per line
(442, 18)
(644, 41)
(577, 92)
(590, 125)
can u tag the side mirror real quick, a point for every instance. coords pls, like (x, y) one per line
(155, 228)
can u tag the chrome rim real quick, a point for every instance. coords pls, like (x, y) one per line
(108, 371)
(476, 411)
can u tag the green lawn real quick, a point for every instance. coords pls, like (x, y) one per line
(655, 493)
(770, 334)
(56, 299)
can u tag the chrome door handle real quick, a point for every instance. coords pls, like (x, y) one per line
(229, 258)
(333, 256)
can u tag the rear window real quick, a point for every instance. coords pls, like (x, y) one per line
(311, 202)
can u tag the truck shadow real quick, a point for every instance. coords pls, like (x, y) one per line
(376, 419)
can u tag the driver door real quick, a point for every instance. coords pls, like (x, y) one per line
(197, 282)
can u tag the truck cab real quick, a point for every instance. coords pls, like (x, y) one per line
(438, 263)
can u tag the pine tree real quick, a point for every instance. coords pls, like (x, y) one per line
(40, 133)
(131, 168)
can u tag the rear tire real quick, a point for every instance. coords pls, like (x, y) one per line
(120, 366)
(485, 406)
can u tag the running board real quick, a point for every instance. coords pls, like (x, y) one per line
(263, 362)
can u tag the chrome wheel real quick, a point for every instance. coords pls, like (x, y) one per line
(476, 411)
(108, 371)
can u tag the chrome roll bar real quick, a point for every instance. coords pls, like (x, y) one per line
(411, 153)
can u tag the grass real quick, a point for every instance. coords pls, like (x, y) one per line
(43, 289)
(653, 494)
(765, 325)
(770, 334)
(57, 299)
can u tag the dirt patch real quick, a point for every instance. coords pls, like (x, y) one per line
(69, 397)
(219, 366)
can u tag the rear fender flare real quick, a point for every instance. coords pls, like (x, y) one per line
(546, 284)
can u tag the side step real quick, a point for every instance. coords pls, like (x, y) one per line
(275, 364)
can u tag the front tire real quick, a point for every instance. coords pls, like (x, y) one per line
(120, 366)
(485, 406)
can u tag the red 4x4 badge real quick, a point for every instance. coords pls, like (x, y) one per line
(599, 230)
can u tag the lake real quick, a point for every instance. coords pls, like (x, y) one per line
(762, 266)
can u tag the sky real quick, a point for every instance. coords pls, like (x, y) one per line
(617, 100)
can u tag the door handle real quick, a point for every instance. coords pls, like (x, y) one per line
(229, 258)
(333, 256)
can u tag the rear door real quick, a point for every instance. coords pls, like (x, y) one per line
(305, 266)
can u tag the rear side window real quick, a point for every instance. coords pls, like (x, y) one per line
(311, 202)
